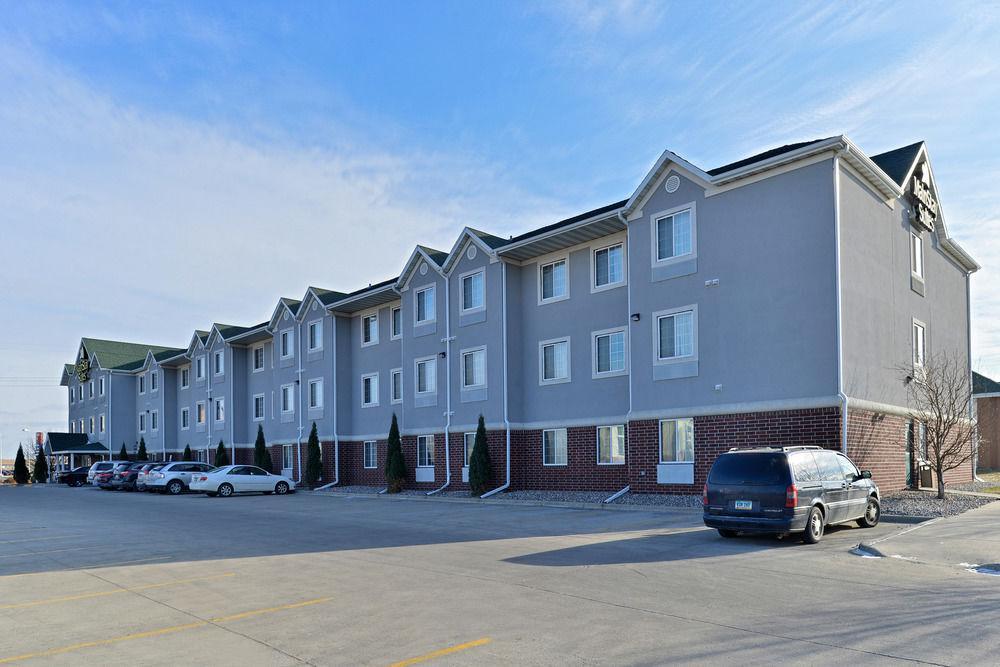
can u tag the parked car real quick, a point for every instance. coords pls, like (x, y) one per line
(227, 480)
(143, 475)
(101, 466)
(103, 478)
(784, 490)
(124, 477)
(75, 477)
(175, 478)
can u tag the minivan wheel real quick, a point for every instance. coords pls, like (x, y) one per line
(725, 532)
(226, 490)
(281, 488)
(175, 488)
(814, 526)
(873, 512)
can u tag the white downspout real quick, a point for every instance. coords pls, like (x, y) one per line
(108, 424)
(231, 417)
(840, 313)
(506, 420)
(628, 341)
(447, 375)
(336, 435)
(209, 406)
(973, 414)
(298, 383)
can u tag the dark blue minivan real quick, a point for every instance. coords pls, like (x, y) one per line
(784, 490)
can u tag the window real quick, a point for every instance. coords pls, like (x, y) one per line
(90, 389)
(396, 377)
(608, 266)
(185, 418)
(286, 341)
(916, 255)
(473, 291)
(425, 377)
(102, 424)
(611, 445)
(425, 451)
(79, 393)
(154, 382)
(609, 352)
(258, 407)
(553, 361)
(315, 335)
(154, 420)
(258, 358)
(91, 425)
(142, 384)
(142, 423)
(72, 395)
(474, 368)
(674, 236)
(185, 377)
(220, 410)
(287, 399)
(470, 442)
(369, 390)
(554, 447)
(81, 426)
(371, 454)
(199, 368)
(396, 315)
(553, 285)
(922, 440)
(677, 441)
(369, 329)
(72, 427)
(100, 386)
(919, 344)
(675, 335)
(424, 306)
(200, 412)
(316, 393)
(219, 362)
(287, 454)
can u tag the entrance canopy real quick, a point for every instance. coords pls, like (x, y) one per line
(61, 444)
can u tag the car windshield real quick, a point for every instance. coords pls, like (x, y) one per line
(749, 469)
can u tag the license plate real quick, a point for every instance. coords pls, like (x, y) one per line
(743, 504)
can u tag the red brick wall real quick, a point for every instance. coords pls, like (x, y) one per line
(581, 472)
(496, 444)
(988, 413)
(352, 464)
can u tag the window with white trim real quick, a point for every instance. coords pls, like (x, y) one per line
(677, 440)
(258, 407)
(287, 398)
(100, 386)
(396, 380)
(474, 291)
(81, 426)
(90, 389)
(919, 344)
(199, 368)
(676, 335)
(609, 266)
(286, 343)
(424, 305)
(396, 317)
(674, 235)
(79, 393)
(258, 358)
(469, 440)
(91, 425)
(200, 415)
(72, 395)
(554, 447)
(474, 368)
(220, 409)
(315, 335)
(369, 390)
(185, 377)
(315, 393)
(102, 423)
(369, 329)
(553, 361)
(154, 421)
(287, 456)
(916, 255)
(142, 384)
(425, 376)
(552, 281)
(611, 445)
(154, 382)
(425, 451)
(219, 362)
(609, 352)
(142, 423)
(185, 419)
(371, 454)
(72, 427)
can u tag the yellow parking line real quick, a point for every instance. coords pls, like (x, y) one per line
(442, 652)
(117, 591)
(157, 633)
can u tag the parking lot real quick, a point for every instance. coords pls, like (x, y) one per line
(115, 578)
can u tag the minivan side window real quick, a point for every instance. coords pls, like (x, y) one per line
(829, 467)
(848, 468)
(804, 467)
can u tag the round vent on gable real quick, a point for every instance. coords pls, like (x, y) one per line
(673, 183)
(286, 314)
(423, 269)
(471, 252)
(314, 305)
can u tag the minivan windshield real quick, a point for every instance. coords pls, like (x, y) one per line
(749, 469)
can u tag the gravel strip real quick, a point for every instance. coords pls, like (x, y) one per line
(972, 486)
(923, 503)
(557, 496)
(659, 500)
(355, 489)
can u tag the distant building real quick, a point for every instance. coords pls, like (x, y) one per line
(987, 395)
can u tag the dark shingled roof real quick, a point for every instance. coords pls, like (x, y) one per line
(896, 163)
(202, 335)
(438, 256)
(569, 221)
(759, 157)
(65, 443)
(489, 239)
(983, 385)
(167, 354)
(373, 286)
(120, 355)
(293, 304)
(327, 296)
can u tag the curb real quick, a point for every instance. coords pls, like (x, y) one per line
(906, 518)
(561, 504)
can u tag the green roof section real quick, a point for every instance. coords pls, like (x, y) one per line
(168, 354)
(71, 443)
(119, 355)
(983, 385)
(327, 296)
(439, 257)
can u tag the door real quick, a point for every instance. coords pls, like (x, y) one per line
(857, 489)
(240, 478)
(287, 460)
(259, 479)
(835, 495)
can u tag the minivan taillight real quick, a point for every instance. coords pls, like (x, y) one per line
(704, 494)
(791, 496)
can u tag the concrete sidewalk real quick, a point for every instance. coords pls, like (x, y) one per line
(969, 539)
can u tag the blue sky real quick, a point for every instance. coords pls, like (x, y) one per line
(163, 166)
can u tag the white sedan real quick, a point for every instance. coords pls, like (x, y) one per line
(227, 480)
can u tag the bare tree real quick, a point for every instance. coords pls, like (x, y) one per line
(940, 392)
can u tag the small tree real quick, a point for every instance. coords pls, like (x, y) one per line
(395, 464)
(261, 457)
(40, 473)
(123, 454)
(940, 398)
(314, 460)
(187, 456)
(479, 462)
(20, 467)
(221, 457)
(141, 454)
